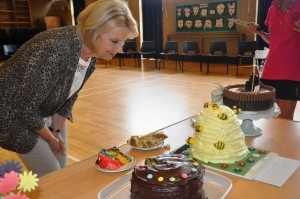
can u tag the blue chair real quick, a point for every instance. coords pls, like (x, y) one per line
(246, 52)
(7, 50)
(129, 50)
(148, 50)
(170, 50)
(218, 49)
(191, 50)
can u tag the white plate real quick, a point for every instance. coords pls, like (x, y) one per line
(148, 149)
(215, 187)
(123, 168)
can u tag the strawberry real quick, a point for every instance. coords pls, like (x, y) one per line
(108, 163)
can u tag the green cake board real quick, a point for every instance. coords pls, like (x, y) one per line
(240, 168)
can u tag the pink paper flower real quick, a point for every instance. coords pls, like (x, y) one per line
(13, 182)
(9, 182)
(16, 196)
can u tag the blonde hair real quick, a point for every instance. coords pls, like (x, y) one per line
(101, 17)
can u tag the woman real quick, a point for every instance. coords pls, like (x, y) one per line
(282, 67)
(40, 83)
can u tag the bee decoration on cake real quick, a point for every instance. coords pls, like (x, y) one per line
(222, 116)
(199, 128)
(206, 104)
(219, 145)
(215, 106)
(236, 110)
(190, 140)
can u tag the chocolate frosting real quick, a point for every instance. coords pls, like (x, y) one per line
(168, 177)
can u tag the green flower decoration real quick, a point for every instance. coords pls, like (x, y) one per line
(28, 181)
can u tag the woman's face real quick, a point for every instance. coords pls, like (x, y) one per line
(110, 43)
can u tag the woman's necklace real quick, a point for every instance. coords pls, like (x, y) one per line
(80, 67)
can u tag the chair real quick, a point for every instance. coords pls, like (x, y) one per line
(33, 32)
(4, 38)
(24, 34)
(15, 37)
(246, 52)
(148, 50)
(7, 50)
(191, 50)
(218, 49)
(170, 50)
(103, 62)
(129, 50)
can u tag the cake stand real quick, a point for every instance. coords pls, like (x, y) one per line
(247, 125)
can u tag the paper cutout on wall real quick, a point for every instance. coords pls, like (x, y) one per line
(206, 17)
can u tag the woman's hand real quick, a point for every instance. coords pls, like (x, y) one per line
(54, 144)
(58, 122)
(54, 140)
(254, 28)
(297, 26)
(57, 144)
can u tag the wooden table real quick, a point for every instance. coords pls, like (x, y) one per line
(82, 180)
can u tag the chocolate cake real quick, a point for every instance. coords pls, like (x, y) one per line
(237, 95)
(168, 177)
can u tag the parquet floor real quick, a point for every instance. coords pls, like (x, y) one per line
(117, 103)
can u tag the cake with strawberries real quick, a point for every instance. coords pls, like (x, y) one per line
(218, 137)
(168, 177)
(251, 96)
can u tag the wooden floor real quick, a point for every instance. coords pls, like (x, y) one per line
(117, 103)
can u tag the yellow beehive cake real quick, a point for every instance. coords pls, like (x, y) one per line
(218, 137)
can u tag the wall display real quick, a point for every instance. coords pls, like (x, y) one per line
(206, 17)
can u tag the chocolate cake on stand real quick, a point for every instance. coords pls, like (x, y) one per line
(253, 100)
(247, 116)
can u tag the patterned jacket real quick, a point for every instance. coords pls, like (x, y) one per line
(35, 83)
